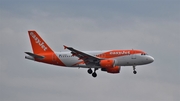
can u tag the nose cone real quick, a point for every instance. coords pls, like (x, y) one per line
(150, 59)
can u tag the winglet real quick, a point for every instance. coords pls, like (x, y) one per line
(65, 47)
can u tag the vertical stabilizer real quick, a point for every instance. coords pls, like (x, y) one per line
(38, 44)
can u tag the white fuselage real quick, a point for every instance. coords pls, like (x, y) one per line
(127, 60)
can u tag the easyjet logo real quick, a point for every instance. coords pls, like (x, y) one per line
(119, 53)
(41, 44)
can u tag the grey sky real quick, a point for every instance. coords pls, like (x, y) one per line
(149, 25)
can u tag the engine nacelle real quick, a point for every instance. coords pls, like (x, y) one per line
(107, 63)
(115, 69)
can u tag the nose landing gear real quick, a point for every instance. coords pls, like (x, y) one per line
(134, 70)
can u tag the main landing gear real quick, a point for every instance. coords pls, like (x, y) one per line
(94, 74)
(89, 71)
(134, 70)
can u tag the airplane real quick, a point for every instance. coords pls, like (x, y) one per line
(109, 61)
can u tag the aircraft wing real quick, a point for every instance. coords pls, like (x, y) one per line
(87, 58)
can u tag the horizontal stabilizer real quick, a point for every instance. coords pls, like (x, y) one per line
(34, 55)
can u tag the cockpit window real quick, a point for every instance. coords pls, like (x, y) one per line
(144, 54)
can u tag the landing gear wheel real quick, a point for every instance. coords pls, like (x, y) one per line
(89, 71)
(94, 74)
(135, 72)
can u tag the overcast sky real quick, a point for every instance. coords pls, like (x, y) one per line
(149, 25)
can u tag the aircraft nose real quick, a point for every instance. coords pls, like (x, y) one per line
(151, 59)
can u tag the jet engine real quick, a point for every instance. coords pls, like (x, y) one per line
(115, 69)
(108, 63)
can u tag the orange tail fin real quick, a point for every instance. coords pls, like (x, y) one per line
(38, 44)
